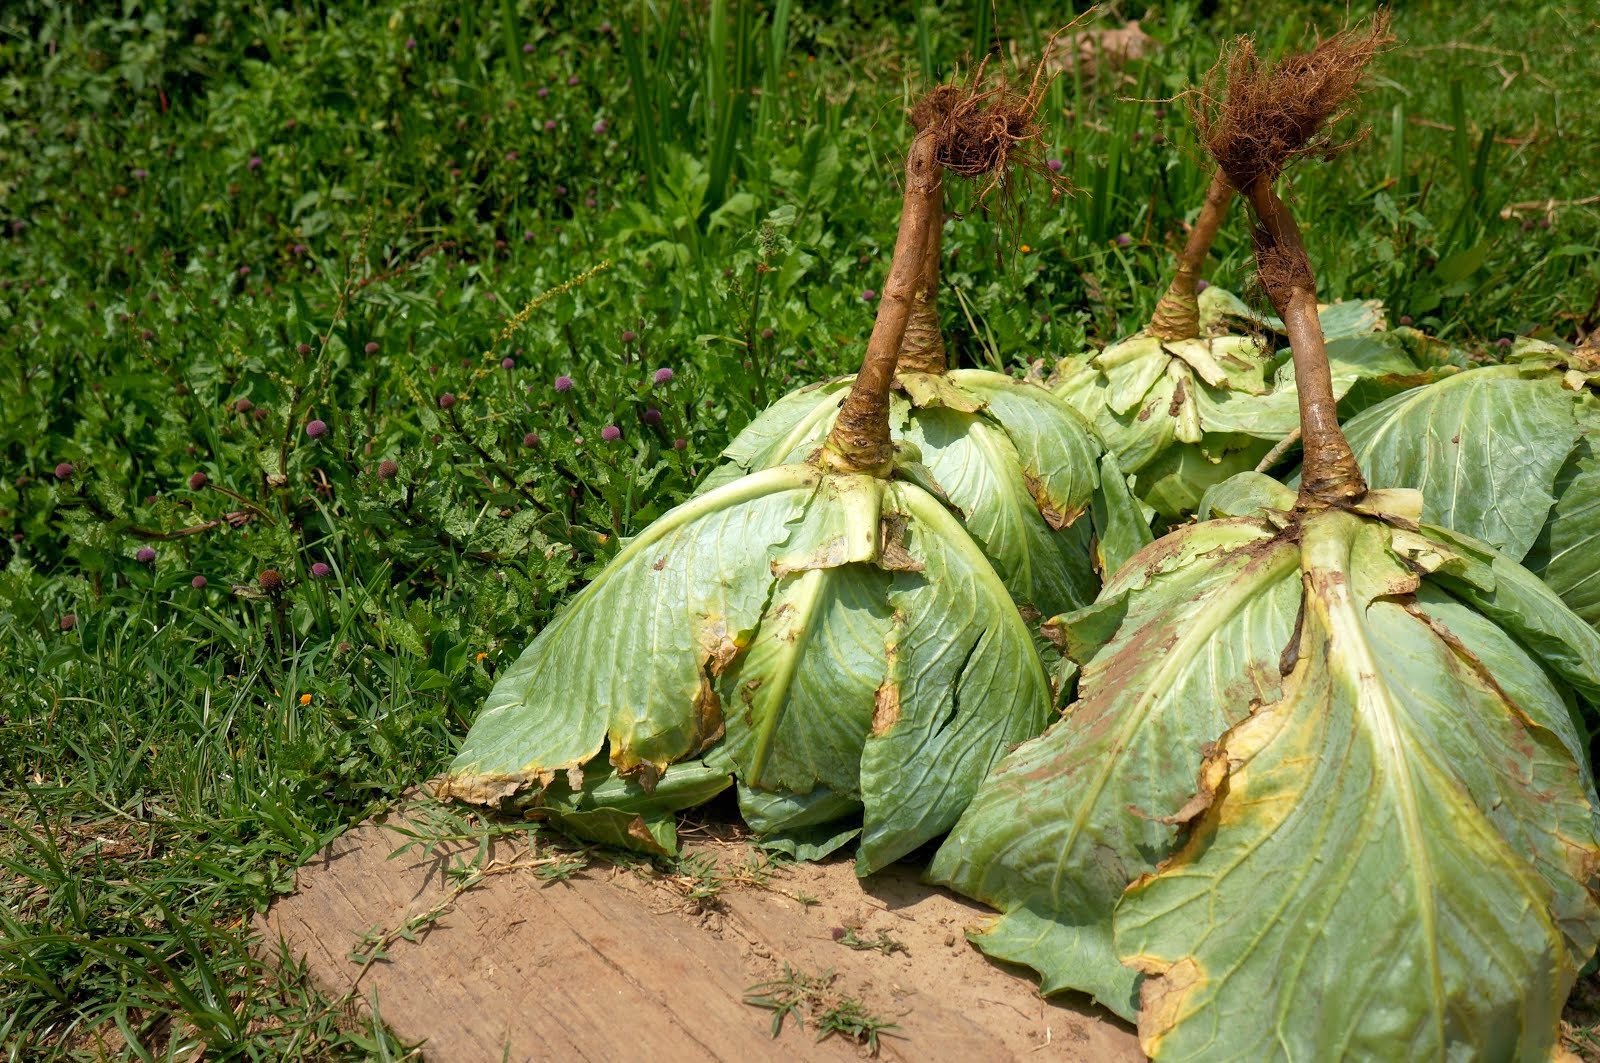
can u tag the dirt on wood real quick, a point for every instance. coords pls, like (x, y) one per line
(548, 957)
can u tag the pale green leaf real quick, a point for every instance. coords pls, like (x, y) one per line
(679, 596)
(963, 686)
(1018, 463)
(1070, 818)
(1389, 861)
(1484, 447)
(1567, 554)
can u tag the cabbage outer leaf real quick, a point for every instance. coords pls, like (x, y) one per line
(1484, 447)
(1182, 415)
(1570, 559)
(840, 635)
(1391, 860)
(1021, 466)
(1070, 818)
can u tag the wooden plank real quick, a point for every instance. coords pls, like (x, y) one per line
(615, 964)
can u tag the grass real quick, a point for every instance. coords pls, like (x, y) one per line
(221, 222)
(812, 996)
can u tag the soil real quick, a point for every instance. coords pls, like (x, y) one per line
(608, 961)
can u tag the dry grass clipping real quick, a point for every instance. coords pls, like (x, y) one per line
(1255, 119)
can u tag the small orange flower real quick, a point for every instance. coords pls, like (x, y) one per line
(481, 656)
(1025, 249)
(305, 699)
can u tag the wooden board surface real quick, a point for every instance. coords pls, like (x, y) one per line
(611, 963)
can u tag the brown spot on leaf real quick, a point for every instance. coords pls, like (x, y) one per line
(1053, 515)
(886, 708)
(629, 765)
(661, 563)
(1213, 770)
(1291, 652)
(1163, 995)
(1180, 393)
(892, 552)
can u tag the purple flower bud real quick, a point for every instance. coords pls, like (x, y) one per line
(527, 49)
(591, 202)
(1123, 239)
(573, 80)
(549, 124)
(1502, 342)
(63, 470)
(243, 406)
(197, 480)
(299, 249)
(511, 156)
(320, 571)
(303, 349)
(610, 433)
(1201, 285)
(254, 163)
(604, 27)
(679, 443)
(411, 42)
(766, 334)
(140, 173)
(542, 93)
(68, 621)
(508, 363)
(198, 583)
(531, 439)
(145, 556)
(147, 335)
(561, 190)
(371, 347)
(563, 383)
(868, 295)
(652, 416)
(446, 401)
(628, 335)
(1405, 319)
(527, 237)
(316, 429)
(600, 127)
(244, 271)
(1055, 165)
(663, 375)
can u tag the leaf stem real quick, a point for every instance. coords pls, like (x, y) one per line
(859, 440)
(1330, 475)
(922, 348)
(1177, 315)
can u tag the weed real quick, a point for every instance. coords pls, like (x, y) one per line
(851, 939)
(803, 995)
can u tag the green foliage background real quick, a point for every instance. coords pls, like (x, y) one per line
(336, 213)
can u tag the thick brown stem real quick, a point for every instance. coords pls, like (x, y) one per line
(1329, 474)
(859, 440)
(1177, 315)
(922, 349)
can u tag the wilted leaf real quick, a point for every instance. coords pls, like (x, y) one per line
(1182, 415)
(767, 624)
(1394, 852)
(1070, 818)
(1019, 465)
